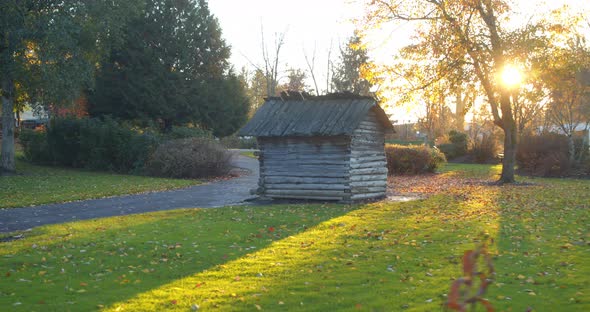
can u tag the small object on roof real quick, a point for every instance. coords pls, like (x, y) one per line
(294, 95)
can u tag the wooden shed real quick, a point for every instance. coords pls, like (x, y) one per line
(321, 147)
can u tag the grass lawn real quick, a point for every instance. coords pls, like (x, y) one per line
(375, 257)
(35, 185)
(248, 154)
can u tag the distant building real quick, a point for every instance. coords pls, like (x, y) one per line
(580, 130)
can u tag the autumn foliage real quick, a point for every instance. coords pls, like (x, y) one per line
(468, 290)
(413, 159)
(189, 158)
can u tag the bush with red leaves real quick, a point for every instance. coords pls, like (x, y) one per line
(543, 155)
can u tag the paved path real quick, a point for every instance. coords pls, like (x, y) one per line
(215, 194)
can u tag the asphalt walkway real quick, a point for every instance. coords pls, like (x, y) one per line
(215, 194)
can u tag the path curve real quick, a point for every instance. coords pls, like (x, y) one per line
(215, 194)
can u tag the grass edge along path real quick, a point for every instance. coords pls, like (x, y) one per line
(37, 185)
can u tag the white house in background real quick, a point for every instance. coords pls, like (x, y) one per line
(580, 129)
(31, 119)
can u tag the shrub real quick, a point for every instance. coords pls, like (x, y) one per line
(544, 155)
(137, 151)
(189, 158)
(437, 158)
(107, 145)
(100, 144)
(413, 159)
(459, 139)
(234, 141)
(457, 146)
(484, 149)
(581, 149)
(63, 140)
(34, 143)
(187, 132)
(449, 149)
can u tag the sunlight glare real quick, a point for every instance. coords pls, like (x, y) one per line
(511, 76)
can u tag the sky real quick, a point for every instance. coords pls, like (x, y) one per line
(319, 25)
(307, 25)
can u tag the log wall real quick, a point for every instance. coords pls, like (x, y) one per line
(340, 168)
(305, 167)
(368, 165)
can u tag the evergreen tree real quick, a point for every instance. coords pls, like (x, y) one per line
(295, 81)
(172, 69)
(347, 75)
(226, 105)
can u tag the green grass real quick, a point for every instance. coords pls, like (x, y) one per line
(35, 185)
(376, 257)
(473, 170)
(405, 142)
(248, 154)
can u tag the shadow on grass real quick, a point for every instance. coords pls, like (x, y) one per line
(384, 256)
(381, 256)
(93, 264)
(403, 257)
(541, 258)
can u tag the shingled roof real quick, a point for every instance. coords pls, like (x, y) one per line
(330, 115)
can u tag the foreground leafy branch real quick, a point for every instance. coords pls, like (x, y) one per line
(469, 290)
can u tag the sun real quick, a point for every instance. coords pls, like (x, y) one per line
(511, 76)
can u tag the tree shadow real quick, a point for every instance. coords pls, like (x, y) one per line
(95, 263)
(398, 256)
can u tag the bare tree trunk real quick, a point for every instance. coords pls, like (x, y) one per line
(328, 91)
(509, 156)
(571, 148)
(271, 63)
(7, 155)
(459, 111)
(311, 67)
(510, 140)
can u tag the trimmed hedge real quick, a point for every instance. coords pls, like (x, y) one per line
(105, 144)
(34, 143)
(189, 158)
(90, 143)
(413, 159)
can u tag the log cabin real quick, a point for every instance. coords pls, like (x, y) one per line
(321, 147)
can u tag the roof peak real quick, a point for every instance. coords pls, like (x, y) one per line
(304, 96)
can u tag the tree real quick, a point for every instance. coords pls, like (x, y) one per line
(48, 50)
(462, 41)
(529, 106)
(295, 81)
(147, 78)
(226, 105)
(311, 67)
(347, 74)
(271, 61)
(565, 76)
(255, 88)
(173, 69)
(437, 116)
